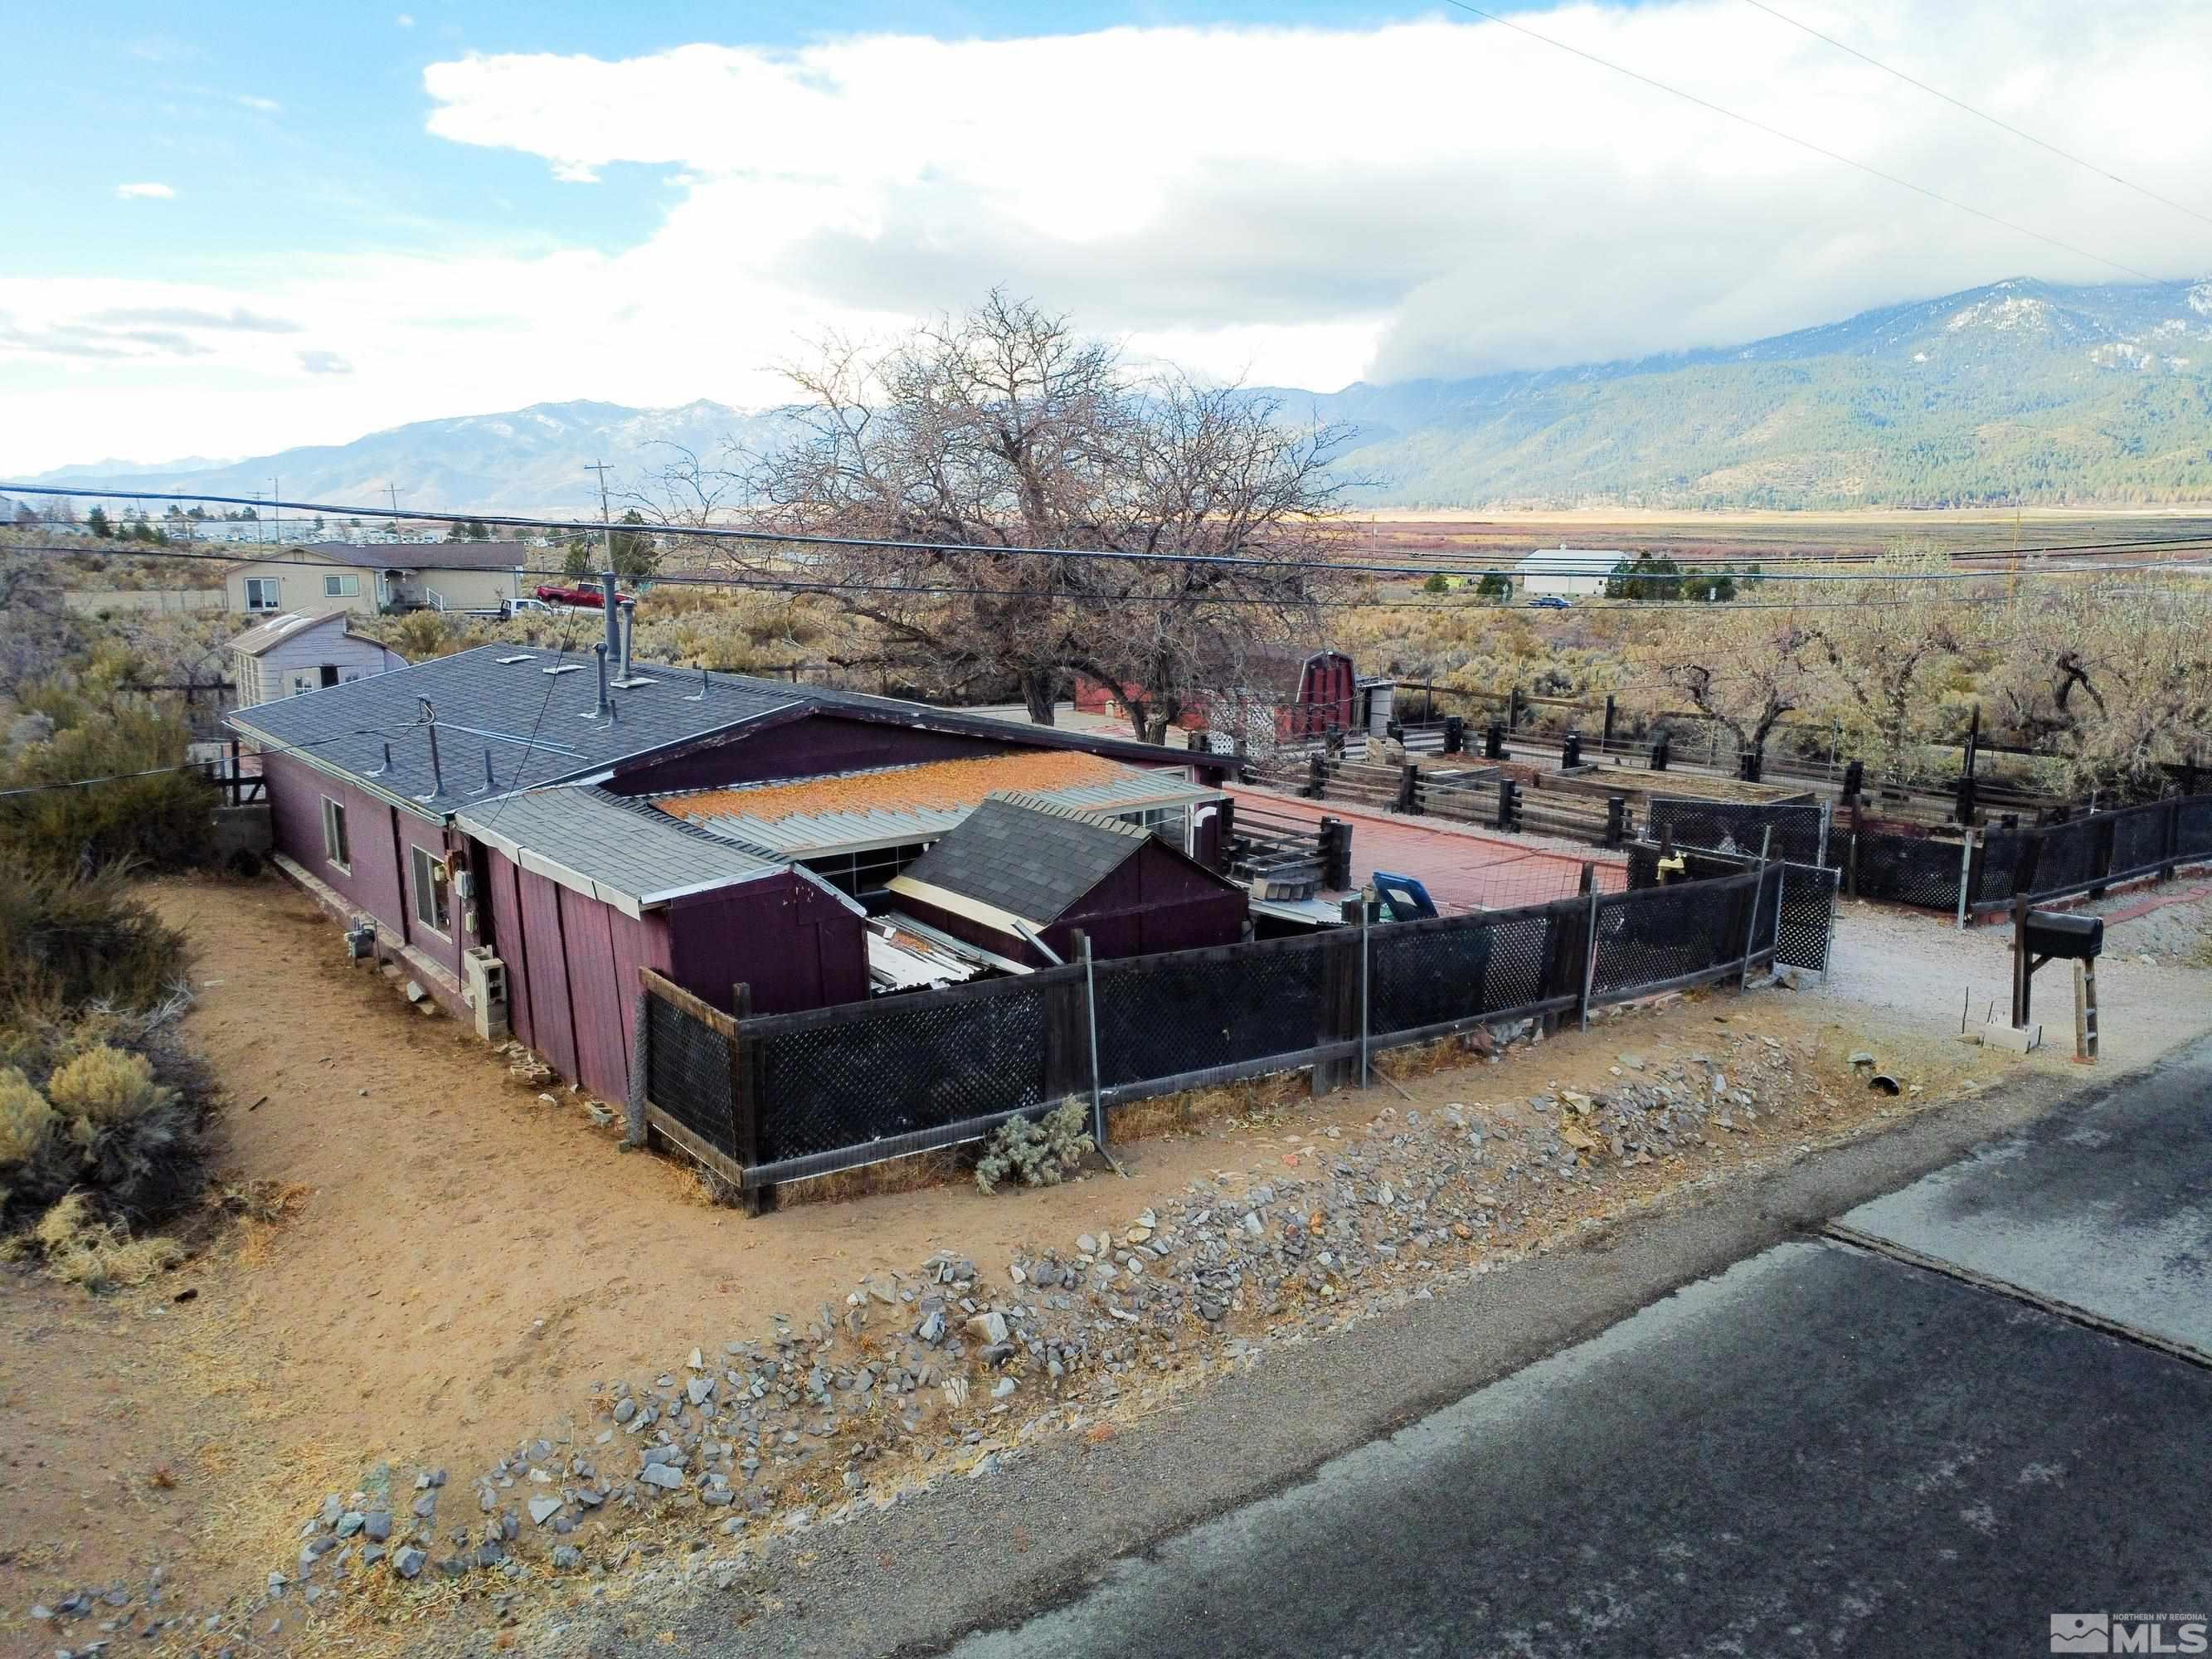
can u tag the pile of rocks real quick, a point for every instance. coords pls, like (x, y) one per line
(926, 1372)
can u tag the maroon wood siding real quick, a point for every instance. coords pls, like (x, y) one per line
(795, 945)
(296, 792)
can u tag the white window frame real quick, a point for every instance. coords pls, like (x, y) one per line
(431, 880)
(341, 587)
(255, 585)
(338, 845)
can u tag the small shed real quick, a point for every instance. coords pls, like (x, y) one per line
(299, 651)
(1019, 876)
(1564, 572)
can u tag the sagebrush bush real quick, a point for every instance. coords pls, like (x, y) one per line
(80, 1246)
(67, 943)
(25, 1119)
(165, 820)
(105, 1086)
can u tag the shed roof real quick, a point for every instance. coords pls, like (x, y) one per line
(897, 805)
(265, 635)
(619, 852)
(1019, 856)
(540, 726)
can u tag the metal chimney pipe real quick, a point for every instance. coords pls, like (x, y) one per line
(614, 617)
(629, 629)
(601, 650)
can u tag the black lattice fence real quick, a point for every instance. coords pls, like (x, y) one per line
(1657, 937)
(1205, 1011)
(1808, 916)
(789, 1095)
(1915, 870)
(915, 1065)
(2085, 853)
(1795, 831)
(1808, 900)
(688, 1072)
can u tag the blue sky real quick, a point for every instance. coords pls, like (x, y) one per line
(347, 217)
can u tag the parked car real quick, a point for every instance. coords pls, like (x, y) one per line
(1548, 602)
(588, 598)
(517, 607)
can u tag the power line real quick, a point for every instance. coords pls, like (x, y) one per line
(1983, 115)
(1802, 144)
(726, 533)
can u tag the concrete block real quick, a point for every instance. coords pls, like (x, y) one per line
(2017, 1040)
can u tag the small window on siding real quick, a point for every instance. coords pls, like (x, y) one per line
(261, 593)
(341, 587)
(336, 848)
(433, 897)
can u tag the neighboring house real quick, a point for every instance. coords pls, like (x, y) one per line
(350, 576)
(304, 651)
(1021, 875)
(1569, 573)
(505, 808)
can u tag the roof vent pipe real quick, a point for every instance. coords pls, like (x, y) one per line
(629, 622)
(609, 599)
(600, 650)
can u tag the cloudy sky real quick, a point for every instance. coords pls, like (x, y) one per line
(281, 225)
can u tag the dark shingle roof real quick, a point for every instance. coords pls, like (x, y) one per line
(484, 704)
(497, 697)
(1029, 861)
(620, 851)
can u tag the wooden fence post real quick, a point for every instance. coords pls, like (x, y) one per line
(745, 1099)
(1409, 788)
(1340, 997)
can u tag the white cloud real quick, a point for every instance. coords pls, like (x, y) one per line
(264, 106)
(146, 192)
(404, 21)
(1301, 206)
(323, 363)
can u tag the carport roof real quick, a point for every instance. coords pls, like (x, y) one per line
(614, 850)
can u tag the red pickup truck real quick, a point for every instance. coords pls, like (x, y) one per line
(589, 598)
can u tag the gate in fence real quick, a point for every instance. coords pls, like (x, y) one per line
(763, 1100)
(1806, 926)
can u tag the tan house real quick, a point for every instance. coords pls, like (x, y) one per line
(325, 577)
(299, 651)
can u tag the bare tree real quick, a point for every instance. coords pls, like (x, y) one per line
(1886, 645)
(2114, 673)
(1005, 432)
(1744, 669)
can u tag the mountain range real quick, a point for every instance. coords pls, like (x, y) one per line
(2019, 392)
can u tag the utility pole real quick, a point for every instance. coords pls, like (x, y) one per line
(606, 523)
(277, 506)
(392, 490)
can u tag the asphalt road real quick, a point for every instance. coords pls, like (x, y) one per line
(1826, 1449)
(1650, 1423)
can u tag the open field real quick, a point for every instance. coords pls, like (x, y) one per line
(1745, 537)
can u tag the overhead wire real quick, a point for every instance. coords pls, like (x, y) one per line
(1803, 144)
(1983, 115)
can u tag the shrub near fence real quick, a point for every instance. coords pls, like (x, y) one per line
(792, 1096)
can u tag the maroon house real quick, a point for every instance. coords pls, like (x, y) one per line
(524, 834)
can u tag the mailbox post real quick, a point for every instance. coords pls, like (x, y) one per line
(2040, 937)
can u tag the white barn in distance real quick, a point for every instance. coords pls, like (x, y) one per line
(1569, 573)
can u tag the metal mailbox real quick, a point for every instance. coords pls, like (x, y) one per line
(2060, 936)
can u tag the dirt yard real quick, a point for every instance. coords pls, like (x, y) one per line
(462, 1262)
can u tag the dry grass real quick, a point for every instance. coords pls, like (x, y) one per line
(80, 1248)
